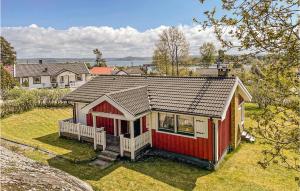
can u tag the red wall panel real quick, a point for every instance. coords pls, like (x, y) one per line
(106, 108)
(224, 132)
(199, 147)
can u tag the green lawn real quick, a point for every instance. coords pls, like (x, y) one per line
(239, 171)
(39, 128)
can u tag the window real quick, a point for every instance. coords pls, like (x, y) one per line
(53, 79)
(61, 79)
(166, 122)
(185, 124)
(36, 80)
(242, 112)
(78, 77)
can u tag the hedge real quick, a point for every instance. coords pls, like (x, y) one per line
(20, 100)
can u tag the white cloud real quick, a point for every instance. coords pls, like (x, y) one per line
(78, 42)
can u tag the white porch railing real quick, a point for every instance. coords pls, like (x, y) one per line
(99, 136)
(131, 145)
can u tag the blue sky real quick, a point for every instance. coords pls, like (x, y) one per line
(119, 28)
(139, 14)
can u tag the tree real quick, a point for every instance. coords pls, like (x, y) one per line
(7, 80)
(171, 49)
(208, 54)
(270, 28)
(161, 58)
(101, 62)
(8, 55)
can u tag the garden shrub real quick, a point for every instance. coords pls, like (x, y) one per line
(20, 100)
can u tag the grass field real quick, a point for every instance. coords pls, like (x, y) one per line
(39, 128)
(239, 171)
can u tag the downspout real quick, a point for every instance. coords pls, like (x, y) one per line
(216, 140)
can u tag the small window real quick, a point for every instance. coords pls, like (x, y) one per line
(61, 79)
(242, 113)
(53, 79)
(78, 77)
(166, 122)
(36, 80)
(185, 124)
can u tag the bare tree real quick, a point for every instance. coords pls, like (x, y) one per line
(171, 49)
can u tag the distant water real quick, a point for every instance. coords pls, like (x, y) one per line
(128, 63)
(110, 62)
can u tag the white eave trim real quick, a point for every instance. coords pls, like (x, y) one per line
(247, 97)
(87, 108)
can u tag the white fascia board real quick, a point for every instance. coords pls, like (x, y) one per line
(247, 97)
(87, 108)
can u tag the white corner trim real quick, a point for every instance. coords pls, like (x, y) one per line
(110, 101)
(238, 83)
(216, 143)
(241, 85)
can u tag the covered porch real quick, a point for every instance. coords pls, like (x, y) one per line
(113, 124)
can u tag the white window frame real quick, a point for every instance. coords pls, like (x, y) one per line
(242, 112)
(161, 130)
(185, 133)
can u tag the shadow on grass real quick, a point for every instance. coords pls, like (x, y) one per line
(175, 174)
(77, 151)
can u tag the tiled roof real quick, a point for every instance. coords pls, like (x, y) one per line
(134, 100)
(199, 96)
(102, 70)
(27, 70)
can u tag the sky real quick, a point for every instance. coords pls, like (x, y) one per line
(65, 28)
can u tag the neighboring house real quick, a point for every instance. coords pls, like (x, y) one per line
(195, 119)
(51, 75)
(132, 71)
(102, 71)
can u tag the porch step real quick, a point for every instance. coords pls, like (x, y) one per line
(108, 155)
(101, 163)
(248, 137)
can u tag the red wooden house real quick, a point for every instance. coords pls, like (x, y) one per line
(192, 118)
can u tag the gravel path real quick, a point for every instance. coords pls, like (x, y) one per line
(21, 173)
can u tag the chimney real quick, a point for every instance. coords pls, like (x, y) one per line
(40, 61)
(223, 72)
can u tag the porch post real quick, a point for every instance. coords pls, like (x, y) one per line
(141, 125)
(119, 126)
(132, 140)
(121, 145)
(150, 127)
(94, 125)
(115, 127)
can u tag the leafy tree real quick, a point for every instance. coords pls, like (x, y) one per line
(270, 28)
(8, 55)
(101, 62)
(171, 49)
(208, 54)
(7, 80)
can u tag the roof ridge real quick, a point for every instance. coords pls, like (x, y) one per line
(125, 90)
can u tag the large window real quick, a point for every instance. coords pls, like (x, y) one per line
(166, 122)
(36, 80)
(185, 124)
